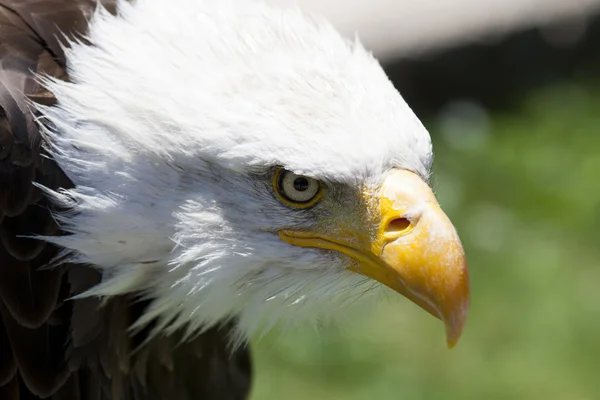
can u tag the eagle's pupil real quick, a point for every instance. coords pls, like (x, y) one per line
(301, 184)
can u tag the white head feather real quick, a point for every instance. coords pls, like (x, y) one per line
(174, 117)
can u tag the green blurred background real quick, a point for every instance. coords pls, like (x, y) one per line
(517, 169)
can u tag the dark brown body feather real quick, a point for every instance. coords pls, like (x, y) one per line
(51, 347)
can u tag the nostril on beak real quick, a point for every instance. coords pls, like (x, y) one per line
(398, 225)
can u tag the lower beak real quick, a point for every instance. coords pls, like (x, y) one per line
(415, 250)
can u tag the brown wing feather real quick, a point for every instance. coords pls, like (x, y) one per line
(50, 346)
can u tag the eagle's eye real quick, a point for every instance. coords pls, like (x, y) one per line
(297, 191)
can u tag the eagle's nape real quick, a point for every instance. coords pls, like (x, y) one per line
(50, 347)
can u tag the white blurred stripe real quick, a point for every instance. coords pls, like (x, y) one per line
(409, 27)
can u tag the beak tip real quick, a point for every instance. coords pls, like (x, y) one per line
(454, 327)
(452, 339)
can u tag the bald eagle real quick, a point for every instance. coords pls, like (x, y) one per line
(177, 176)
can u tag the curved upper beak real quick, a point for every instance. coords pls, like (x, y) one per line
(422, 251)
(414, 250)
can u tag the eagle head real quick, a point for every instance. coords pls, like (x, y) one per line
(233, 160)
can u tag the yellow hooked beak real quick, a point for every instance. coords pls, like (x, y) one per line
(414, 249)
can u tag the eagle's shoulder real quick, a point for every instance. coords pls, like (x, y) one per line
(33, 327)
